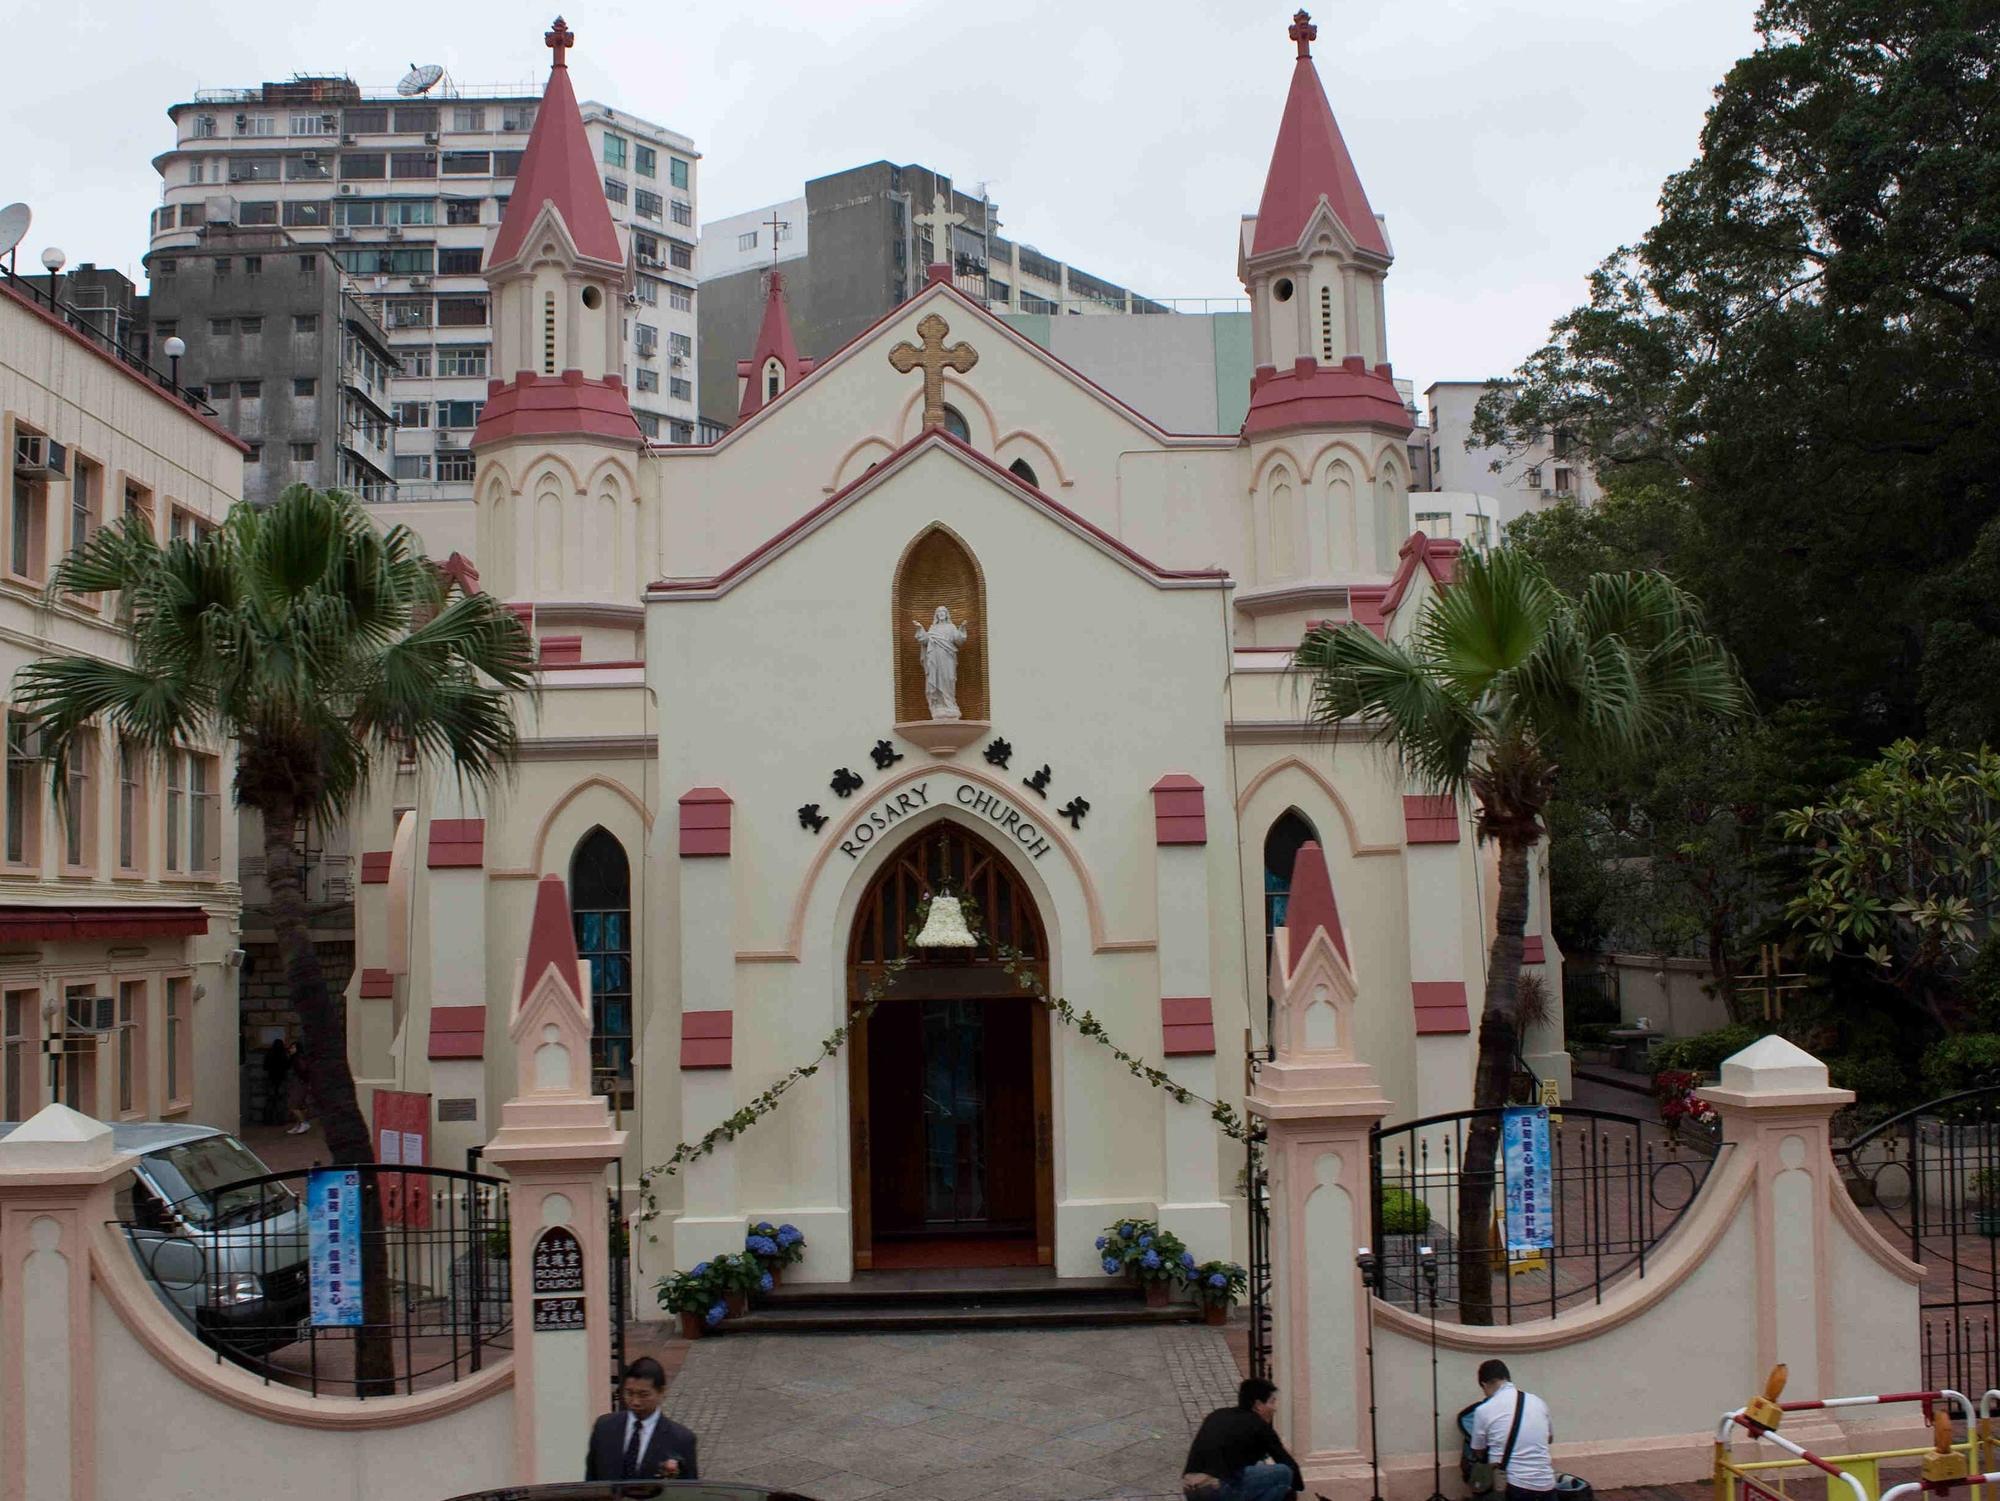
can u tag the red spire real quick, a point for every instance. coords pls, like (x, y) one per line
(1310, 904)
(551, 938)
(558, 168)
(774, 342)
(1310, 162)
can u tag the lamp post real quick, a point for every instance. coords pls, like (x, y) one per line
(175, 347)
(53, 260)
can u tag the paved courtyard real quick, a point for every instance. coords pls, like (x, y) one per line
(1054, 1415)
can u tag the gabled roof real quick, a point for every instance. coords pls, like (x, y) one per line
(1438, 556)
(716, 585)
(1310, 162)
(558, 169)
(1310, 904)
(774, 342)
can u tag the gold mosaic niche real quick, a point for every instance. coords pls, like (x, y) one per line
(937, 569)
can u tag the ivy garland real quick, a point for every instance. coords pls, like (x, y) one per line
(1016, 967)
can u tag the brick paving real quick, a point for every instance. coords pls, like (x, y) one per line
(1052, 1415)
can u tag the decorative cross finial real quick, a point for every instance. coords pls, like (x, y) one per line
(935, 359)
(560, 39)
(774, 224)
(1303, 32)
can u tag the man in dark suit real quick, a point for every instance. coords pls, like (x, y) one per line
(640, 1443)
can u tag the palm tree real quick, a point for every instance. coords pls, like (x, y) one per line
(1502, 675)
(319, 645)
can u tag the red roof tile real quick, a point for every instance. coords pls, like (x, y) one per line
(1310, 905)
(551, 938)
(1430, 820)
(1440, 1007)
(558, 168)
(1180, 810)
(1310, 162)
(705, 815)
(1187, 1025)
(774, 341)
(707, 1038)
(458, 1032)
(457, 843)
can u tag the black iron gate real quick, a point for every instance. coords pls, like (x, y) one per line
(1929, 1179)
(621, 1284)
(1257, 1196)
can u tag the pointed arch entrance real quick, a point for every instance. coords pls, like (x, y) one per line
(952, 1151)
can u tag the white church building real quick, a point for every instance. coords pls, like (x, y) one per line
(937, 615)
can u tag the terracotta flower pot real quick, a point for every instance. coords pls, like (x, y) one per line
(738, 1302)
(692, 1327)
(777, 1272)
(1157, 1294)
(1215, 1313)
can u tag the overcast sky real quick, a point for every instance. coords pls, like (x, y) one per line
(1511, 143)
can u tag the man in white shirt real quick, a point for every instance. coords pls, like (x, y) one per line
(1530, 1472)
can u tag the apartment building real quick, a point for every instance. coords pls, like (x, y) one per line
(119, 909)
(1513, 483)
(404, 191)
(293, 362)
(856, 244)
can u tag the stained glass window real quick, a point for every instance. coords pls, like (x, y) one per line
(600, 890)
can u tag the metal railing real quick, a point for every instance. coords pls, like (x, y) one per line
(232, 1263)
(85, 321)
(1619, 1184)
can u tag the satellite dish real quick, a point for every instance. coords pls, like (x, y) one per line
(13, 225)
(421, 78)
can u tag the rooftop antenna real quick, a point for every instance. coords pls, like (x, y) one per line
(13, 225)
(421, 79)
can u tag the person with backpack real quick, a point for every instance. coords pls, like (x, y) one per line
(1511, 1432)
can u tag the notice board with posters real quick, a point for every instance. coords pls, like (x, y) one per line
(403, 1139)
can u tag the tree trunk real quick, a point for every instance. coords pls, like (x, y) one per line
(1491, 1076)
(330, 1082)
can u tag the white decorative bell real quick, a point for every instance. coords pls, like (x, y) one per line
(944, 926)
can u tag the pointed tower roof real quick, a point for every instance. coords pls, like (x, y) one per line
(558, 169)
(1310, 903)
(1310, 162)
(774, 342)
(551, 938)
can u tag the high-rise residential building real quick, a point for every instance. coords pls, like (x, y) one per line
(853, 247)
(290, 358)
(1501, 483)
(404, 190)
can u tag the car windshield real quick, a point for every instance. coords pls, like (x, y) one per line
(197, 1178)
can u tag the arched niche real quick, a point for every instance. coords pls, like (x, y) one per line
(938, 569)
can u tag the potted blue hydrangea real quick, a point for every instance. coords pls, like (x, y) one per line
(1154, 1258)
(1216, 1285)
(775, 1247)
(697, 1296)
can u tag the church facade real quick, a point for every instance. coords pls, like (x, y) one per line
(938, 616)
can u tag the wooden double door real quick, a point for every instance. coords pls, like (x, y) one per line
(952, 1154)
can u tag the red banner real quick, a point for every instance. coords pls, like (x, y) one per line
(403, 1139)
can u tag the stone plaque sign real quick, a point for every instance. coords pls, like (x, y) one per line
(558, 1265)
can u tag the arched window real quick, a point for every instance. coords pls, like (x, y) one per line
(1025, 470)
(600, 895)
(954, 423)
(1281, 852)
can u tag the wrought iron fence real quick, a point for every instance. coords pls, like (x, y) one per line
(1618, 1184)
(232, 1263)
(1257, 1197)
(1929, 1179)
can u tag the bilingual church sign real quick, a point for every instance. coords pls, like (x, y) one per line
(557, 1268)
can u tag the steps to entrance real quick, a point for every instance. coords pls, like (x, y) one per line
(998, 1298)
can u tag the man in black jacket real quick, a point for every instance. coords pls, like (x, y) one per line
(1236, 1455)
(640, 1443)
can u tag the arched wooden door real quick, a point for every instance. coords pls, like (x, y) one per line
(952, 1152)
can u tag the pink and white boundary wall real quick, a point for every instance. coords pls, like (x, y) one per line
(103, 1394)
(1772, 1263)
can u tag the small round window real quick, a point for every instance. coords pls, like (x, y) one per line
(1282, 289)
(592, 298)
(954, 423)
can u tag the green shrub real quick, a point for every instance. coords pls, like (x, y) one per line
(1982, 985)
(1592, 1034)
(1875, 1078)
(1703, 1053)
(1403, 1213)
(1961, 1062)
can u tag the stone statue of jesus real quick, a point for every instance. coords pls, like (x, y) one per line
(937, 649)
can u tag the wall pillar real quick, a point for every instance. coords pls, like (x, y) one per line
(1434, 878)
(711, 1217)
(52, 1172)
(1542, 1046)
(1192, 1207)
(1775, 1105)
(555, 1140)
(1319, 1102)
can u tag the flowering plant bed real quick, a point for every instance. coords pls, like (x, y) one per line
(775, 1247)
(698, 1296)
(1154, 1258)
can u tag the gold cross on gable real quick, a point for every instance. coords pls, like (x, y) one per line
(935, 359)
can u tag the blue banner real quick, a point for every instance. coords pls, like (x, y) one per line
(1525, 1162)
(333, 1219)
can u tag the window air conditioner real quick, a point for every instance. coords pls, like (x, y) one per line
(308, 156)
(419, 282)
(346, 187)
(327, 123)
(430, 138)
(342, 232)
(347, 139)
(36, 456)
(90, 1013)
(395, 232)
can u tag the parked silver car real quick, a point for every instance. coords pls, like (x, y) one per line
(228, 1258)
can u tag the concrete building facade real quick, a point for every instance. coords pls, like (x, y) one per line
(1545, 473)
(292, 361)
(404, 191)
(119, 909)
(854, 246)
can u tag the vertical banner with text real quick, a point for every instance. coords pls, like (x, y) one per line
(1525, 1162)
(333, 1218)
